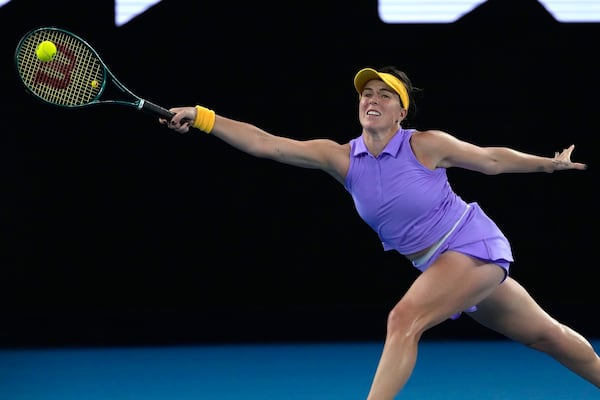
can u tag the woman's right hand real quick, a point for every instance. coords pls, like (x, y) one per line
(182, 120)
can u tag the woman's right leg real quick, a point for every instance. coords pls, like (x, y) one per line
(454, 282)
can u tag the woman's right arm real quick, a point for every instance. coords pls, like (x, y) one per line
(323, 154)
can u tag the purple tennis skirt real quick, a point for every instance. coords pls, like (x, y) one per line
(478, 236)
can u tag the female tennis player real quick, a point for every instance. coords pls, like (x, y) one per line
(397, 179)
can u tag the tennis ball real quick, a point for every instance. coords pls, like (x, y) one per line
(46, 50)
(95, 84)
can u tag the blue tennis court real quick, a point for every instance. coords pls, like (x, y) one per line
(448, 370)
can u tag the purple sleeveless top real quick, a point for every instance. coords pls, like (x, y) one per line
(409, 206)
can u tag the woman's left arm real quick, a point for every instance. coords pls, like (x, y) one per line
(446, 151)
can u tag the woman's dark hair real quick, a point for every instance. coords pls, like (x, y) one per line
(412, 90)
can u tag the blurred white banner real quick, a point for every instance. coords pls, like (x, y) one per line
(447, 11)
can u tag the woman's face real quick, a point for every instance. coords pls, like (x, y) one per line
(380, 107)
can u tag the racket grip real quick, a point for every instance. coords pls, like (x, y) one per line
(156, 109)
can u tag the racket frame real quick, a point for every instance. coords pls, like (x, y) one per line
(107, 76)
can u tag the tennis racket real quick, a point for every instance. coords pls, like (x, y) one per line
(75, 77)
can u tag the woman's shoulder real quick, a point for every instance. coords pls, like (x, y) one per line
(429, 136)
(429, 146)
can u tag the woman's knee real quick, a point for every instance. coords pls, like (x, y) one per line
(549, 339)
(406, 320)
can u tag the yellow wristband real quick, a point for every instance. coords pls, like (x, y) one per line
(205, 119)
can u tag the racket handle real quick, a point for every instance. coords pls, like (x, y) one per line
(155, 109)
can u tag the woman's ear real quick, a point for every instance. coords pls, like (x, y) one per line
(403, 114)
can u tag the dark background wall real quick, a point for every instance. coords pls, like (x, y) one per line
(122, 232)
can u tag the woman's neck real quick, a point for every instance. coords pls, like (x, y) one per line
(377, 140)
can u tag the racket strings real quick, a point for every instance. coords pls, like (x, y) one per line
(74, 77)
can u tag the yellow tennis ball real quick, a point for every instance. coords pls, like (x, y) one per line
(95, 84)
(46, 50)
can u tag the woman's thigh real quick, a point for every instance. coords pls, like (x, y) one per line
(453, 283)
(511, 311)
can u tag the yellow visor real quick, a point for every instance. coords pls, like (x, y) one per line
(366, 74)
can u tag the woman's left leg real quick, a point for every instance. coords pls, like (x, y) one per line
(511, 311)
